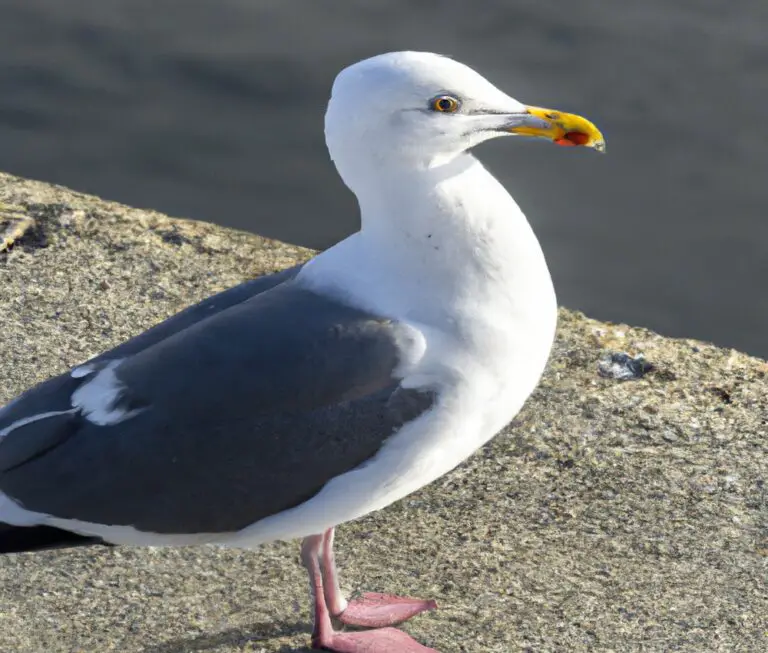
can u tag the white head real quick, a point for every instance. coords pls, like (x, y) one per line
(420, 110)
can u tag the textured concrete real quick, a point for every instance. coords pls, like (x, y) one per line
(612, 515)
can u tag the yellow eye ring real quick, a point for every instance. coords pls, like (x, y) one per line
(445, 104)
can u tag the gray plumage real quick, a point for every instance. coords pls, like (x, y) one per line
(230, 414)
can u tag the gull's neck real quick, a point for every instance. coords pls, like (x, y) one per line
(440, 245)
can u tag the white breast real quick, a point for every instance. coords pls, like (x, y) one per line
(485, 305)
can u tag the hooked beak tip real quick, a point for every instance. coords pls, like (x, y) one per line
(562, 128)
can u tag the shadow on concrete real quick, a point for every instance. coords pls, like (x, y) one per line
(235, 636)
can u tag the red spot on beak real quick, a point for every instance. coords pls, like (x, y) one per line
(573, 138)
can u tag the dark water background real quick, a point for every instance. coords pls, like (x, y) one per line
(212, 109)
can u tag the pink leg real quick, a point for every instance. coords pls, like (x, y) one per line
(371, 610)
(381, 640)
(322, 630)
(333, 596)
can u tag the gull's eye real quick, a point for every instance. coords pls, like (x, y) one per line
(444, 104)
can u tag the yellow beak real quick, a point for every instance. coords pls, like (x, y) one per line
(562, 128)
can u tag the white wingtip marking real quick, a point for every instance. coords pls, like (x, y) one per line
(82, 370)
(97, 397)
(32, 418)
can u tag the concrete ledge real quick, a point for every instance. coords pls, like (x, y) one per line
(612, 515)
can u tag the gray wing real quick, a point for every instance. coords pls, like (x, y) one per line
(234, 418)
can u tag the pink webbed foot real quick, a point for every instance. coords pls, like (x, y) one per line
(382, 640)
(374, 610)
(377, 611)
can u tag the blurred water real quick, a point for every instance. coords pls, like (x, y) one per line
(213, 110)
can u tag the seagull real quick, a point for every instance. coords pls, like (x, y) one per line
(295, 402)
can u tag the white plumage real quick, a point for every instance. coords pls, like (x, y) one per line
(446, 254)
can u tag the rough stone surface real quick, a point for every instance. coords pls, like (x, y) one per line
(610, 516)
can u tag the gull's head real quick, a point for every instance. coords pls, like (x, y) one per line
(425, 109)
